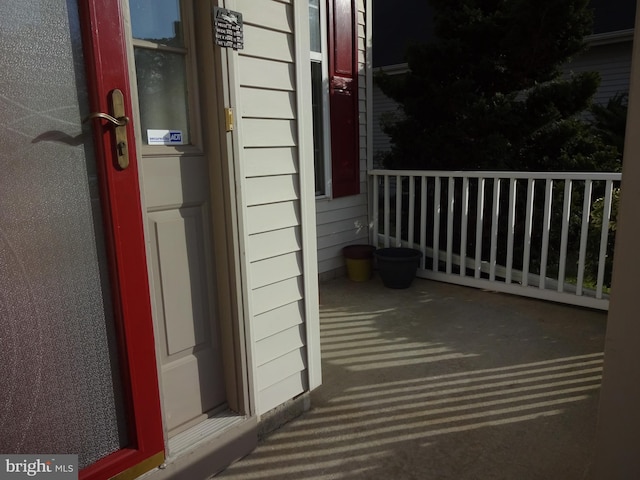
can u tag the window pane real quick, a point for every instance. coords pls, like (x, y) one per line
(314, 25)
(318, 136)
(162, 91)
(157, 21)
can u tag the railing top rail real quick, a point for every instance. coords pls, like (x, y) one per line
(614, 176)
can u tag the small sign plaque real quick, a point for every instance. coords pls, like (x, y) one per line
(228, 28)
(164, 137)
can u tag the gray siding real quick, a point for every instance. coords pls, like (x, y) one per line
(612, 61)
(382, 106)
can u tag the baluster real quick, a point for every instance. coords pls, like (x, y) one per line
(436, 224)
(463, 227)
(399, 187)
(479, 225)
(451, 187)
(423, 221)
(566, 212)
(526, 256)
(604, 237)
(412, 209)
(546, 228)
(387, 209)
(494, 228)
(511, 227)
(584, 234)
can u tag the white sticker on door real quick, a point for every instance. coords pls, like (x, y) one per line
(164, 137)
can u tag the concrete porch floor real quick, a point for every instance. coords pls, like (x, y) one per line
(442, 382)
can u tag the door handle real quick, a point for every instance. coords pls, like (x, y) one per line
(119, 121)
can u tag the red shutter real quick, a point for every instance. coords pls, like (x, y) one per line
(343, 97)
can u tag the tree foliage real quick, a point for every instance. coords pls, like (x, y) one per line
(489, 93)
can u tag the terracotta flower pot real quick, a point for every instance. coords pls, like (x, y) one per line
(359, 261)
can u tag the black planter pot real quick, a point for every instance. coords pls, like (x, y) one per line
(398, 266)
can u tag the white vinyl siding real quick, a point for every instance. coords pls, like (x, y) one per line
(343, 221)
(273, 190)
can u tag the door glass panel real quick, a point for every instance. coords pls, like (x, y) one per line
(157, 21)
(162, 91)
(161, 71)
(60, 387)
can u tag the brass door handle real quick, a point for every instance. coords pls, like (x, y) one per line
(120, 121)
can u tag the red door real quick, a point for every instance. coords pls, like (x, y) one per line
(106, 69)
(77, 359)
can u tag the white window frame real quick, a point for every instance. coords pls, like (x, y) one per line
(323, 59)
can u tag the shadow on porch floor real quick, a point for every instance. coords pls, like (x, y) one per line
(443, 382)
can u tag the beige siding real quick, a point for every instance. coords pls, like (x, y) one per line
(259, 162)
(274, 243)
(343, 221)
(289, 387)
(257, 72)
(271, 186)
(267, 218)
(278, 320)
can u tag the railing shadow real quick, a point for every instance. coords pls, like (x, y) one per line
(443, 382)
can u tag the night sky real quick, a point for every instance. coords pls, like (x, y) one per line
(398, 24)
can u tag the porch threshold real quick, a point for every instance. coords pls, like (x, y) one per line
(208, 448)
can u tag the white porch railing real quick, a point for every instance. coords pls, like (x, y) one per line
(541, 235)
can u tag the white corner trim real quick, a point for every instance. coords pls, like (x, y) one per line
(235, 147)
(368, 32)
(307, 192)
(369, 79)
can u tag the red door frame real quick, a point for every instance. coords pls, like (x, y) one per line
(106, 66)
